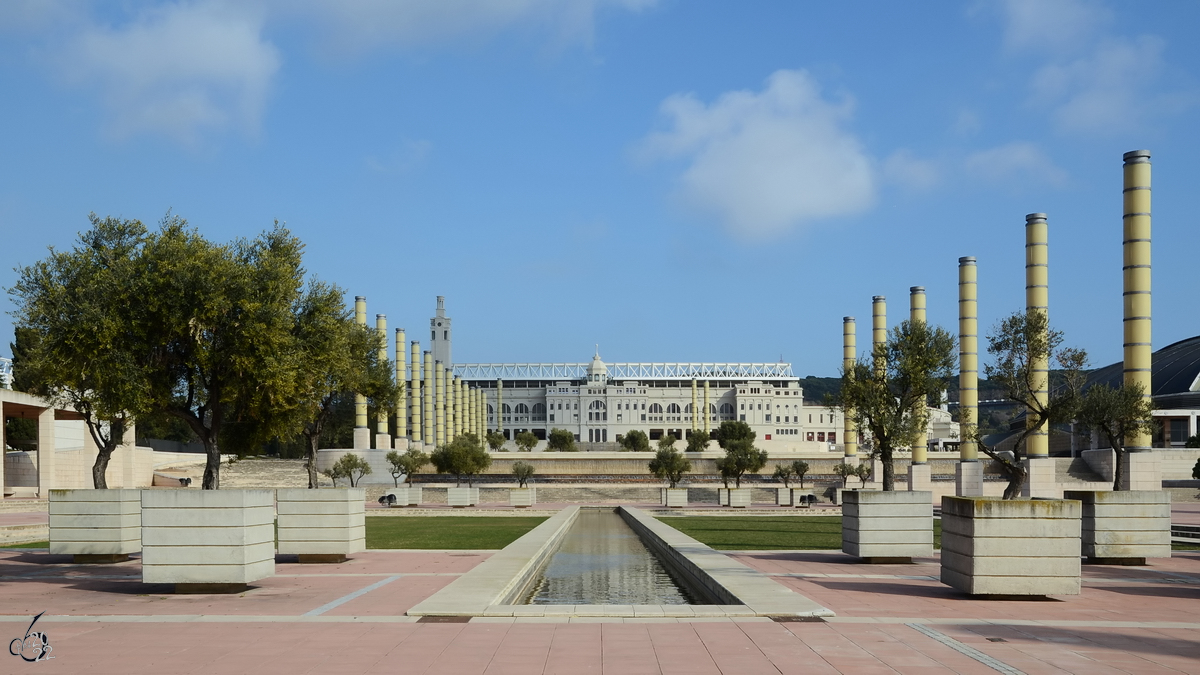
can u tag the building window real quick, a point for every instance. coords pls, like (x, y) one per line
(832, 437)
(743, 417)
(768, 417)
(821, 436)
(809, 436)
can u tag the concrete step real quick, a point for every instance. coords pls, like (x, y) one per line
(1075, 470)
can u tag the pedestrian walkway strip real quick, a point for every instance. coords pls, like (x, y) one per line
(347, 598)
(965, 649)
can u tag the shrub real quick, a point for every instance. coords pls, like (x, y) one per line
(526, 440)
(698, 441)
(522, 471)
(352, 467)
(495, 441)
(464, 456)
(561, 440)
(636, 441)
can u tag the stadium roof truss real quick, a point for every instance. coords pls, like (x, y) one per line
(624, 371)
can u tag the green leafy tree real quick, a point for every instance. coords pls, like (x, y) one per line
(863, 472)
(698, 441)
(406, 464)
(845, 471)
(495, 440)
(636, 441)
(464, 456)
(334, 473)
(74, 332)
(561, 440)
(1193, 442)
(734, 430)
(667, 442)
(886, 394)
(217, 330)
(741, 457)
(340, 359)
(526, 440)
(784, 474)
(1017, 343)
(800, 469)
(669, 464)
(1117, 414)
(522, 471)
(352, 467)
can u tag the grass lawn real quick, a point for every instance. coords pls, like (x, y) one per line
(32, 544)
(446, 532)
(766, 533)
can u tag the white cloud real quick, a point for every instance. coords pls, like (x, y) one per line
(907, 170)
(353, 27)
(1052, 25)
(177, 70)
(1019, 163)
(766, 162)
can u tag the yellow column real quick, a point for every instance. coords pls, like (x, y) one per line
(427, 435)
(1037, 300)
(414, 384)
(916, 315)
(439, 402)
(1136, 273)
(362, 433)
(968, 356)
(481, 417)
(381, 426)
(459, 410)
(878, 332)
(499, 405)
(401, 387)
(471, 410)
(695, 403)
(849, 356)
(707, 414)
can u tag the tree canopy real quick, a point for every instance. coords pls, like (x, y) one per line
(698, 441)
(886, 394)
(525, 441)
(561, 440)
(1117, 413)
(734, 430)
(636, 441)
(464, 456)
(741, 457)
(669, 464)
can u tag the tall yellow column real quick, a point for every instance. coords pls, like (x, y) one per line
(1142, 471)
(428, 422)
(695, 404)
(481, 418)
(382, 439)
(459, 410)
(439, 402)
(849, 356)
(916, 315)
(499, 405)
(470, 425)
(401, 387)
(969, 471)
(1037, 300)
(414, 384)
(878, 331)
(707, 414)
(362, 433)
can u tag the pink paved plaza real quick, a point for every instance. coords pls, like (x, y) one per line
(101, 619)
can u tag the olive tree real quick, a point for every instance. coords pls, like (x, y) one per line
(886, 394)
(1117, 413)
(495, 440)
(561, 440)
(636, 441)
(698, 441)
(352, 467)
(669, 464)
(526, 440)
(464, 456)
(522, 471)
(406, 464)
(741, 457)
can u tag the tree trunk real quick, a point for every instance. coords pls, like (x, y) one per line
(1118, 468)
(1016, 474)
(889, 469)
(100, 467)
(311, 461)
(212, 464)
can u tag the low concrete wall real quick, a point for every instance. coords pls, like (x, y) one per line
(887, 524)
(321, 522)
(207, 536)
(95, 522)
(1126, 525)
(1011, 547)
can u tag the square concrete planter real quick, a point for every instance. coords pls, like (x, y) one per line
(675, 498)
(460, 497)
(783, 496)
(207, 541)
(722, 496)
(739, 498)
(1011, 547)
(887, 527)
(522, 498)
(1124, 528)
(96, 526)
(321, 526)
(414, 495)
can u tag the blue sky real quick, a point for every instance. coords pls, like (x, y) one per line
(674, 180)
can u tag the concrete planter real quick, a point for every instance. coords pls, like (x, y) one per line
(460, 497)
(739, 498)
(887, 527)
(783, 496)
(207, 541)
(802, 497)
(522, 498)
(839, 493)
(414, 495)
(722, 496)
(1124, 528)
(1011, 547)
(321, 525)
(96, 526)
(675, 498)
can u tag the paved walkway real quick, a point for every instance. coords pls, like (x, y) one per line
(318, 619)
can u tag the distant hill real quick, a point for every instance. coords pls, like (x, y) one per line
(815, 388)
